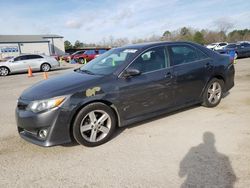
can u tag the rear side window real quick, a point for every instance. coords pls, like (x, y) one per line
(185, 54)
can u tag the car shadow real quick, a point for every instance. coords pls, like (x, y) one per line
(204, 166)
(121, 129)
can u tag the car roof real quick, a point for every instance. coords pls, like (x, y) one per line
(153, 44)
(30, 54)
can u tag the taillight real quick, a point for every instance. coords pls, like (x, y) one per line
(231, 60)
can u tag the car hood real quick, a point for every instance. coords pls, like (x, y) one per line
(60, 85)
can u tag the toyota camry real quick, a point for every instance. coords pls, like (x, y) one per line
(123, 86)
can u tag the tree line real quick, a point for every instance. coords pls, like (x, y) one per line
(202, 37)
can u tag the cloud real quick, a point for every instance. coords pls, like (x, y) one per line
(91, 21)
(73, 24)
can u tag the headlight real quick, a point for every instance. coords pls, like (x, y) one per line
(41, 105)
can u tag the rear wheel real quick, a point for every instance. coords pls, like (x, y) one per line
(4, 71)
(213, 93)
(45, 67)
(94, 124)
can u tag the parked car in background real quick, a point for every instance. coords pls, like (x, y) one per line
(123, 86)
(74, 55)
(90, 54)
(217, 46)
(21, 63)
(241, 49)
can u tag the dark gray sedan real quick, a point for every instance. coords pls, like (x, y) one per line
(123, 86)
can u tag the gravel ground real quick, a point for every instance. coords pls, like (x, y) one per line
(189, 148)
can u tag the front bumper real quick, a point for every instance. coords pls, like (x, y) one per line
(56, 121)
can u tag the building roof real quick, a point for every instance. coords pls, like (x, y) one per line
(26, 38)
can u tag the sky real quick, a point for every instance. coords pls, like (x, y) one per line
(92, 21)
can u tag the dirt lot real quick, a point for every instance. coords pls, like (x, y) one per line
(168, 151)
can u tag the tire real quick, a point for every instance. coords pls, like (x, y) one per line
(4, 71)
(45, 67)
(213, 93)
(94, 124)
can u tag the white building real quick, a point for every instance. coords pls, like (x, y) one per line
(12, 45)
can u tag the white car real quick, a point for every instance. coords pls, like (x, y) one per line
(217, 46)
(21, 63)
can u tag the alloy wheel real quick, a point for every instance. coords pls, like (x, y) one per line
(214, 92)
(4, 71)
(95, 126)
(45, 67)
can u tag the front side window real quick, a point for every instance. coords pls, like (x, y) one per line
(78, 52)
(20, 58)
(89, 52)
(151, 60)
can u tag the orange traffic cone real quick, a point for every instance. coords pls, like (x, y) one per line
(45, 75)
(30, 72)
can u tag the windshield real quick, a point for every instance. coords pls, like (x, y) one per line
(108, 62)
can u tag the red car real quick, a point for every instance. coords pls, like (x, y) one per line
(73, 56)
(90, 54)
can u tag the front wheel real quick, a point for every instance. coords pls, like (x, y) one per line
(213, 93)
(94, 124)
(4, 71)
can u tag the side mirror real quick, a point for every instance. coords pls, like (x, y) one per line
(131, 72)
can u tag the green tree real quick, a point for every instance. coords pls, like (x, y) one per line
(166, 35)
(67, 45)
(78, 44)
(199, 38)
(185, 34)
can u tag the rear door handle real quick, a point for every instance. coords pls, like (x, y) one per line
(208, 66)
(168, 75)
